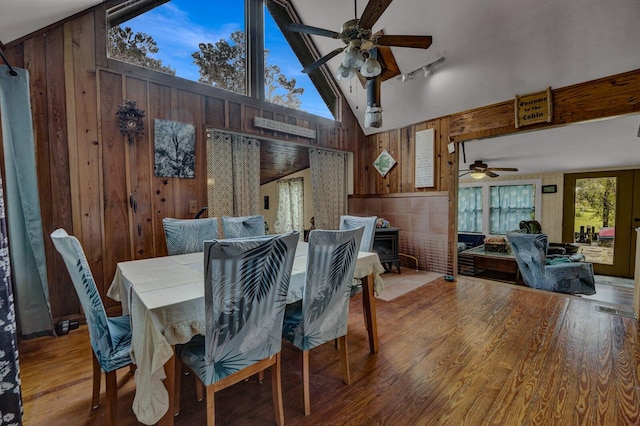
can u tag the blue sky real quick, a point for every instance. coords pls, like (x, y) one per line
(179, 25)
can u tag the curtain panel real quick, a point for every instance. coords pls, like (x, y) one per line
(233, 174)
(508, 206)
(24, 221)
(290, 212)
(329, 183)
(470, 209)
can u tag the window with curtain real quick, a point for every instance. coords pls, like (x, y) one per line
(497, 207)
(509, 205)
(470, 209)
(290, 212)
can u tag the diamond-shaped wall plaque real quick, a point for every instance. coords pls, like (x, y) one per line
(384, 163)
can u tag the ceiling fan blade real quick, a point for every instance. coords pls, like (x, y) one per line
(372, 12)
(306, 29)
(465, 173)
(491, 174)
(322, 60)
(419, 42)
(503, 169)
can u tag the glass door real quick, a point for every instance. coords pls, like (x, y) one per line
(598, 217)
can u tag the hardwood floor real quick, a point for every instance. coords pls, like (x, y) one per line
(468, 352)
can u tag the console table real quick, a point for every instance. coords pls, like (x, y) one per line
(385, 243)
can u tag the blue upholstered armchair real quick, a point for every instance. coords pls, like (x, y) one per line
(245, 293)
(369, 223)
(243, 226)
(110, 337)
(567, 277)
(321, 316)
(188, 235)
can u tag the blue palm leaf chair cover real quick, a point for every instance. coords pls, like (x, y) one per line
(246, 284)
(243, 226)
(530, 252)
(322, 314)
(188, 235)
(110, 337)
(369, 223)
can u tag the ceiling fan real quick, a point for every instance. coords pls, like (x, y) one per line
(479, 170)
(360, 43)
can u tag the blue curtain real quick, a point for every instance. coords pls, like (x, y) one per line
(508, 206)
(23, 207)
(470, 209)
(10, 395)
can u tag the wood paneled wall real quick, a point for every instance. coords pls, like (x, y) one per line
(96, 185)
(605, 97)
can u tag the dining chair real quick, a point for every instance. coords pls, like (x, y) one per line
(321, 315)
(188, 235)
(369, 223)
(110, 336)
(243, 226)
(245, 292)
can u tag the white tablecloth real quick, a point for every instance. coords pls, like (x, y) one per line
(165, 298)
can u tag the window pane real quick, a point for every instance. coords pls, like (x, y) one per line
(199, 41)
(285, 83)
(509, 204)
(470, 209)
(595, 213)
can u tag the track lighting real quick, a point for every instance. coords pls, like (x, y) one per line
(427, 70)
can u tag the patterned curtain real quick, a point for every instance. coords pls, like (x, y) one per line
(329, 183)
(10, 394)
(290, 213)
(233, 174)
(470, 209)
(508, 206)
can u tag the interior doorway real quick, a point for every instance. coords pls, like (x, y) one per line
(600, 213)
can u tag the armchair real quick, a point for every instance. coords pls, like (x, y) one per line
(531, 257)
(571, 250)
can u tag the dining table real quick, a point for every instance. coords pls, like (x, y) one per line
(164, 297)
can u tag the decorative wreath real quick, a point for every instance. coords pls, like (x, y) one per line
(130, 120)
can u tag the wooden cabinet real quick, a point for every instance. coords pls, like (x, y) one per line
(385, 243)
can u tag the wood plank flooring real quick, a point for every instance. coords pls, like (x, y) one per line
(470, 352)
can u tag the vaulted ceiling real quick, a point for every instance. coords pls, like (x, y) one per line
(493, 50)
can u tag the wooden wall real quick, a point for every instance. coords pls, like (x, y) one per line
(605, 97)
(100, 188)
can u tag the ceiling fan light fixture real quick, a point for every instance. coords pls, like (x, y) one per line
(343, 73)
(477, 175)
(353, 57)
(371, 68)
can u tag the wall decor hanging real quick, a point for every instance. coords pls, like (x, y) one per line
(175, 149)
(384, 163)
(130, 120)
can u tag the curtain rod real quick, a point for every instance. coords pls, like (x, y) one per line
(12, 72)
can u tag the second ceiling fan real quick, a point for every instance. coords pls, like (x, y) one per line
(360, 42)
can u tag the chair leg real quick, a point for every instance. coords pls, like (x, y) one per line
(261, 376)
(344, 357)
(211, 408)
(276, 382)
(305, 383)
(112, 397)
(97, 375)
(199, 389)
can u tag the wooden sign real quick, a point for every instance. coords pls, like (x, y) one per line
(279, 126)
(534, 108)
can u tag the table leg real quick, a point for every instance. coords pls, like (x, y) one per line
(169, 383)
(369, 308)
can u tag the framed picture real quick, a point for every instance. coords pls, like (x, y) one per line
(175, 149)
(549, 189)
